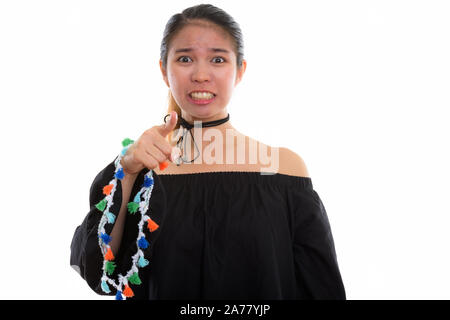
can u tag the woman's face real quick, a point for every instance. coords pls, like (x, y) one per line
(201, 59)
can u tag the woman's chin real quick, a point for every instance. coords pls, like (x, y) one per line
(200, 112)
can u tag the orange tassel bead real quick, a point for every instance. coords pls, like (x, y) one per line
(152, 225)
(127, 292)
(109, 255)
(163, 165)
(107, 189)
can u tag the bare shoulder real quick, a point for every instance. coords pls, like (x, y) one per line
(291, 163)
(288, 162)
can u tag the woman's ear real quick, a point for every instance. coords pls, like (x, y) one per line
(240, 72)
(164, 73)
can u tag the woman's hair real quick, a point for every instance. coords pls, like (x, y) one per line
(209, 13)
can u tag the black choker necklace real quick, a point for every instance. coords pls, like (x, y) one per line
(200, 124)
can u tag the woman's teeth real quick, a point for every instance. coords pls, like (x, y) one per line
(201, 95)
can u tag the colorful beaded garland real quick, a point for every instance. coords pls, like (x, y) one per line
(132, 276)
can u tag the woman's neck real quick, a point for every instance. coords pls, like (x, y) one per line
(202, 138)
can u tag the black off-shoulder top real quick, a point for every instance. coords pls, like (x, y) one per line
(222, 235)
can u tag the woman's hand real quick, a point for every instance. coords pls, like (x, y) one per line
(151, 149)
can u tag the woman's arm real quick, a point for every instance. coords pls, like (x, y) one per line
(116, 234)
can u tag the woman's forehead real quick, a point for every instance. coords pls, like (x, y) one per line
(200, 35)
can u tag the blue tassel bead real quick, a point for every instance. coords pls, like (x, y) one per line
(142, 262)
(119, 295)
(105, 238)
(137, 198)
(105, 287)
(142, 243)
(148, 182)
(119, 174)
(124, 150)
(111, 217)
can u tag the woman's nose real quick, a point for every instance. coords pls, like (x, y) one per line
(201, 74)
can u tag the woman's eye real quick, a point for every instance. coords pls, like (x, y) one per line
(183, 57)
(215, 59)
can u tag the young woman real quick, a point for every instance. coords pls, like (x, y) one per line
(226, 220)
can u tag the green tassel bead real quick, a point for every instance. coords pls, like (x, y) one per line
(134, 279)
(101, 205)
(126, 142)
(110, 267)
(133, 207)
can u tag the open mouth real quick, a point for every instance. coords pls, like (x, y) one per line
(201, 95)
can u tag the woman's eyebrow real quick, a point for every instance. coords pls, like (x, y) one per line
(210, 49)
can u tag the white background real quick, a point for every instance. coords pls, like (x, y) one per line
(359, 89)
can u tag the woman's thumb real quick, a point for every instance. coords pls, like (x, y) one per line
(171, 122)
